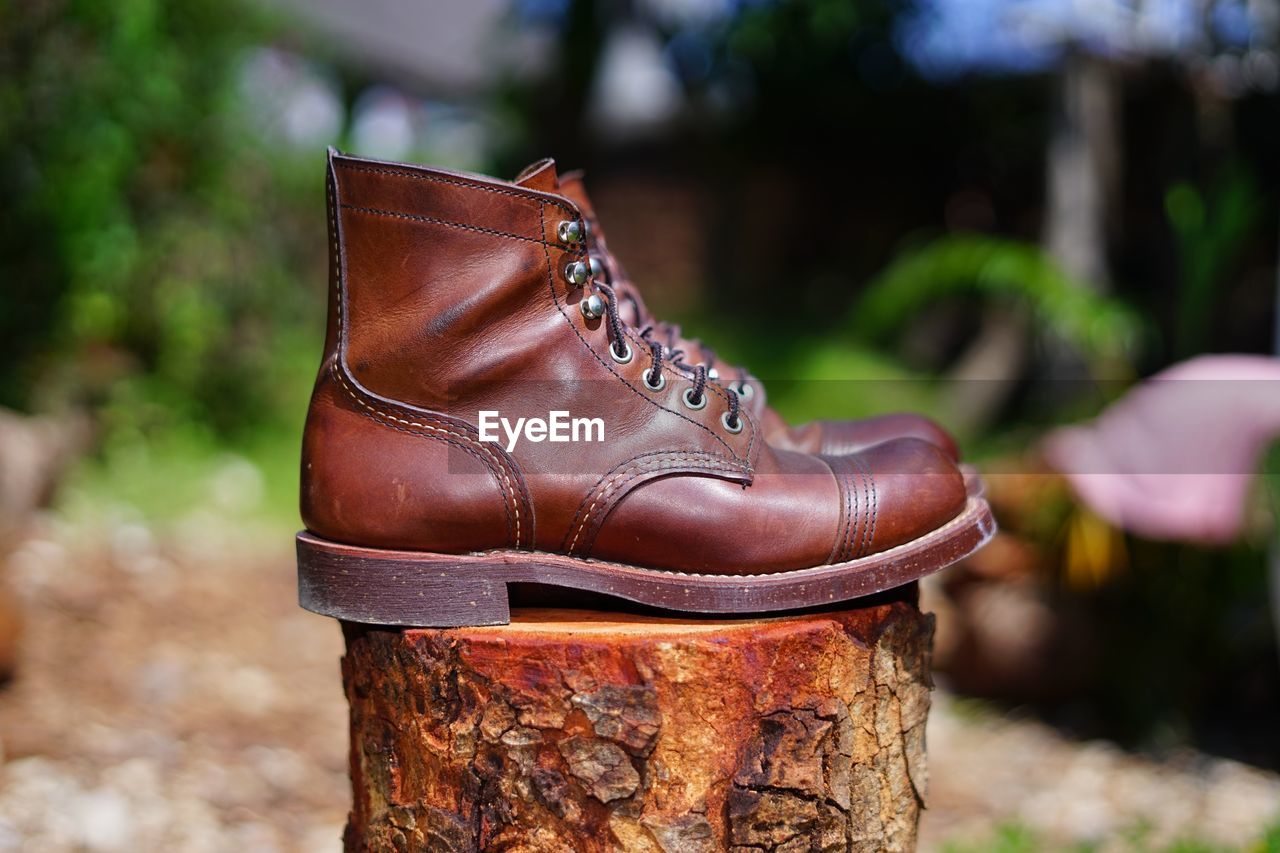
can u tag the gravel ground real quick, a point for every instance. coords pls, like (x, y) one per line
(176, 698)
(988, 771)
(185, 703)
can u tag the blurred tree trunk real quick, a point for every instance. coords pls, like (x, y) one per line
(34, 456)
(1082, 168)
(1081, 171)
(982, 379)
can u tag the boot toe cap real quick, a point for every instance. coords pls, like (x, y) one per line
(913, 488)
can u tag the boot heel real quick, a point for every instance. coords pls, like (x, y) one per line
(353, 587)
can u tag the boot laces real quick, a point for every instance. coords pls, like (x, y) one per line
(658, 352)
(672, 333)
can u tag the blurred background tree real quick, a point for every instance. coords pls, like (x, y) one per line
(153, 249)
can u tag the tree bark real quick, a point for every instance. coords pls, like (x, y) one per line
(575, 730)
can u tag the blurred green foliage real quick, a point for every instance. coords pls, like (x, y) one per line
(1211, 228)
(1006, 838)
(1102, 329)
(139, 276)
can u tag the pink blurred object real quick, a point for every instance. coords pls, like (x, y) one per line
(1175, 457)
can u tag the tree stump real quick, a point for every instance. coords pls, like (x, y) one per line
(585, 731)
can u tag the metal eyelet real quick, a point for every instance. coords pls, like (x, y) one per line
(652, 386)
(577, 273)
(597, 268)
(592, 307)
(688, 399)
(713, 374)
(570, 231)
(624, 357)
(724, 421)
(745, 391)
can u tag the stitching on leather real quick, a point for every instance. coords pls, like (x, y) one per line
(855, 470)
(842, 495)
(497, 467)
(864, 488)
(852, 507)
(633, 471)
(621, 491)
(855, 516)
(856, 522)
(871, 498)
(414, 217)
(633, 462)
(857, 547)
(958, 521)
(440, 179)
(555, 299)
(337, 264)
(670, 460)
(853, 498)
(715, 389)
(619, 469)
(508, 490)
(875, 505)
(637, 458)
(367, 413)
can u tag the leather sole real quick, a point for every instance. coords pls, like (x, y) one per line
(415, 588)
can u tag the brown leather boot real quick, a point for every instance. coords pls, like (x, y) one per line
(829, 437)
(461, 304)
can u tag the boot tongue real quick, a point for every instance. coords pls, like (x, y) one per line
(572, 188)
(540, 176)
(631, 307)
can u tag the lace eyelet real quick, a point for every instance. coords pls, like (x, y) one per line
(624, 357)
(688, 400)
(598, 270)
(713, 374)
(570, 231)
(659, 385)
(745, 390)
(724, 422)
(576, 273)
(592, 307)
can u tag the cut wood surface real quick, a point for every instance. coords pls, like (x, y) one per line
(576, 730)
